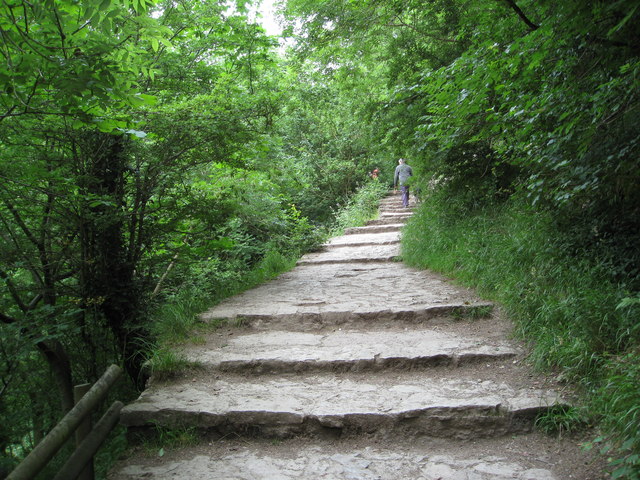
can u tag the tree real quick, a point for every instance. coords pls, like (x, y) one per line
(117, 112)
(84, 191)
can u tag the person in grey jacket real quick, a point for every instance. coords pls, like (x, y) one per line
(402, 174)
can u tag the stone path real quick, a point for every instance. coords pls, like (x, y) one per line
(355, 366)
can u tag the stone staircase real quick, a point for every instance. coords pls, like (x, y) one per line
(354, 366)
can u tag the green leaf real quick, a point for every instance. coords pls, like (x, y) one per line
(628, 302)
(89, 13)
(143, 99)
(624, 21)
(137, 133)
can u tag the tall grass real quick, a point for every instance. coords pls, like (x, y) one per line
(564, 304)
(360, 208)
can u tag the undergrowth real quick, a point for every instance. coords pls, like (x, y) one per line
(580, 317)
(176, 320)
(161, 438)
(360, 208)
(560, 420)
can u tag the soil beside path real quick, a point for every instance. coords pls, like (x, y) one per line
(355, 366)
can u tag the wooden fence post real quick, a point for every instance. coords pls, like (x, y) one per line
(76, 463)
(47, 448)
(83, 430)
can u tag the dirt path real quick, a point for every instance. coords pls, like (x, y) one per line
(354, 366)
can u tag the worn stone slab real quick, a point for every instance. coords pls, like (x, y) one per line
(355, 254)
(401, 215)
(394, 208)
(391, 200)
(287, 460)
(387, 220)
(364, 239)
(391, 227)
(326, 294)
(292, 405)
(342, 350)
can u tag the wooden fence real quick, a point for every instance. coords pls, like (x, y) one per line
(88, 440)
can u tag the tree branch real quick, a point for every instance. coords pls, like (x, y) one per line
(9, 113)
(26, 256)
(521, 14)
(63, 37)
(7, 319)
(13, 291)
(23, 226)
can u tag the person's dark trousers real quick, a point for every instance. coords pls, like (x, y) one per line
(405, 195)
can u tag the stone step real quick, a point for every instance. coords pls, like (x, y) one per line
(387, 220)
(341, 350)
(363, 239)
(400, 215)
(412, 403)
(397, 203)
(396, 211)
(391, 227)
(312, 296)
(516, 458)
(391, 200)
(315, 320)
(395, 206)
(354, 254)
(401, 212)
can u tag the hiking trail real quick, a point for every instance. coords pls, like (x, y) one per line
(355, 366)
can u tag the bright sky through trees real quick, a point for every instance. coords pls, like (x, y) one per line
(267, 18)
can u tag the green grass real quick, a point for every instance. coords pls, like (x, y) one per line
(617, 399)
(566, 304)
(161, 438)
(472, 312)
(362, 207)
(164, 363)
(560, 420)
(177, 317)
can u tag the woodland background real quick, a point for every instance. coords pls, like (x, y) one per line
(156, 157)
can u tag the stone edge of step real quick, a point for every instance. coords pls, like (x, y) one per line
(259, 366)
(341, 317)
(365, 243)
(328, 261)
(468, 421)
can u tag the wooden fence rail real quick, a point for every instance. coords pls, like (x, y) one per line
(55, 439)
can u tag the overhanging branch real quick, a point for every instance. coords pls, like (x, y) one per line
(521, 14)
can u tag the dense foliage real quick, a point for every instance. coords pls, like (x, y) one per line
(142, 168)
(156, 156)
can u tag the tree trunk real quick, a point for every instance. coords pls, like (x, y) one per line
(109, 274)
(60, 365)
